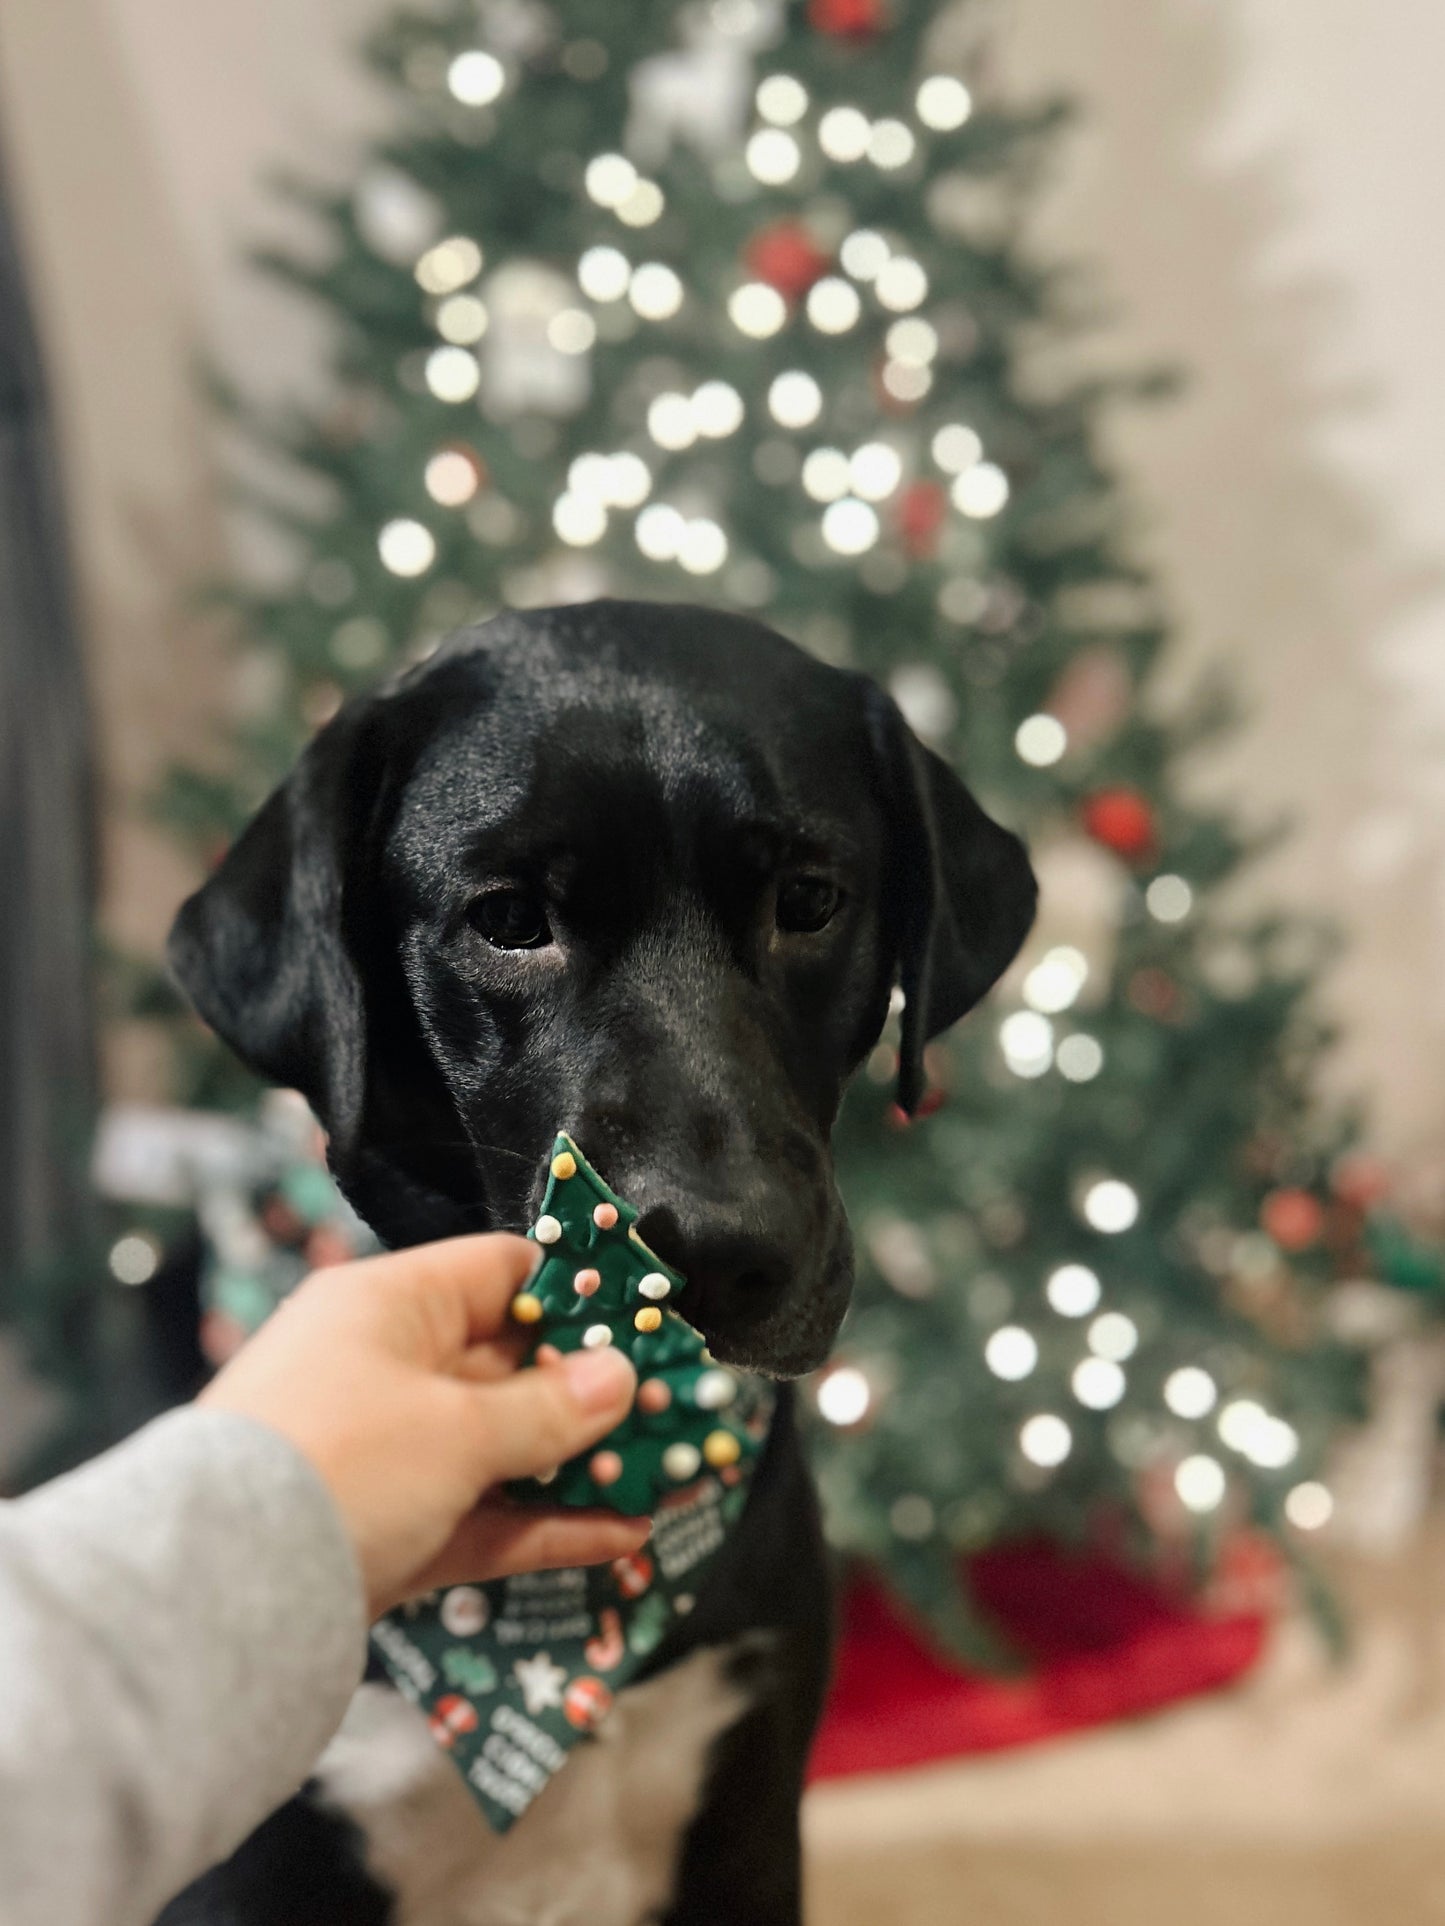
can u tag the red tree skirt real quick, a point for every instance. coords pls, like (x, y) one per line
(1100, 1644)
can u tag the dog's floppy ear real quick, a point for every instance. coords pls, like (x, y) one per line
(959, 893)
(270, 949)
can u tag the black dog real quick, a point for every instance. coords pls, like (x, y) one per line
(646, 873)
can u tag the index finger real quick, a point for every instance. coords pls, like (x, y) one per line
(464, 1285)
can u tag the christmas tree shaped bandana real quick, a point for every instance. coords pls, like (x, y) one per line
(513, 1674)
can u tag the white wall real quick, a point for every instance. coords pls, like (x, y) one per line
(1256, 182)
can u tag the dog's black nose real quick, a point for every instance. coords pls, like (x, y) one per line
(734, 1277)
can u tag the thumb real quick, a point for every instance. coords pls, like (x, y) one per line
(539, 1418)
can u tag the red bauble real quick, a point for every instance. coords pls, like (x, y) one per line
(1360, 1181)
(847, 19)
(922, 511)
(1121, 820)
(1293, 1218)
(787, 257)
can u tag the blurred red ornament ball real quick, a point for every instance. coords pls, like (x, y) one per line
(1293, 1218)
(1121, 820)
(846, 19)
(1360, 1182)
(787, 257)
(922, 511)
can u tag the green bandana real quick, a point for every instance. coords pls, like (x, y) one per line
(512, 1674)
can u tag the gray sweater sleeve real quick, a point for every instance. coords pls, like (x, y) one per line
(181, 1626)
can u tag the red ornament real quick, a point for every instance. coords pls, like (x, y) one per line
(787, 257)
(633, 1574)
(1359, 1181)
(1293, 1218)
(922, 511)
(1121, 820)
(1154, 993)
(847, 19)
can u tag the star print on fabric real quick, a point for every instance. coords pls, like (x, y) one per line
(541, 1682)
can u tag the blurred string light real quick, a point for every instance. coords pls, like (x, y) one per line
(1011, 1353)
(875, 470)
(1080, 1058)
(773, 156)
(757, 310)
(833, 305)
(642, 206)
(1169, 899)
(664, 534)
(890, 144)
(579, 520)
(134, 1258)
(717, 408)
(603, 273)
(956, 447)
(451, 478)
(1200, 1483)
(675, 420)
(1309, 1507)
(1073, 1290)
(1190, 1392)
(449, 265)
(843, 134)
(655, 291)
(622, 480)
(453, 374)
(1046, 1440)
(609, 179)
(850, 527)
(943, 103)
(1110, 1205)
(1114, 1336)
(1027, 1042)
(863, 254)
(1040, 740)
(782, 100)
(476, 78)
(795, 400)
(825, 474)
(1269, 1442)
(912, 342)
(981, 492)
(570, 331)
(1098, 1383)
(906, 380)
(406, 547)
(461, 319)
(1055, 981)
(901, 284)
(844, 1395)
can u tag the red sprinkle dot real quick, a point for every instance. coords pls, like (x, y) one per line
(653, 1396)
(586, 1282)
(605, 1216)
(605, 1467)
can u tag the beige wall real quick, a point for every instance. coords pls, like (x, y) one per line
(1256, 182)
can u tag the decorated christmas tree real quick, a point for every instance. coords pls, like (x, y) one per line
(730, 302)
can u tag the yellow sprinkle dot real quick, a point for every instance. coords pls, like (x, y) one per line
(721, 1448)
(526, 1309)
(564, 1165)
(649, 1318)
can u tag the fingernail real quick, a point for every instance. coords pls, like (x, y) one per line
(597, 1378)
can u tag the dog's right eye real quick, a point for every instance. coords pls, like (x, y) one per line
(511, 919)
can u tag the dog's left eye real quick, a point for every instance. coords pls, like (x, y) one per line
(511, 919)
(806, 903)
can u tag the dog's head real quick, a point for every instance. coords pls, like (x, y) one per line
(643, 873)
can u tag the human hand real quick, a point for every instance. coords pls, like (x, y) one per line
(396, 1376)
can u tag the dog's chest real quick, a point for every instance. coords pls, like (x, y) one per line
(598, 1847)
